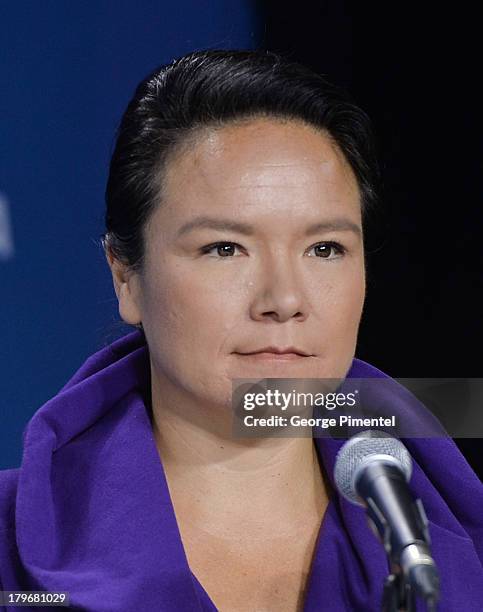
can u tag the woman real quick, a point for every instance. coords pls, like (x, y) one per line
(236, 201)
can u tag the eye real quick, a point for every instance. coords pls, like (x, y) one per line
(225, 249)
(323, 249)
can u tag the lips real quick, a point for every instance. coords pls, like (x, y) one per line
(274, 350)
(275, 354)
(267, 355)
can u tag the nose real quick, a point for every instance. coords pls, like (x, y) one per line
(278, 293)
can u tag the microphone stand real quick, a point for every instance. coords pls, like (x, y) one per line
(397, 594)
(375, 476)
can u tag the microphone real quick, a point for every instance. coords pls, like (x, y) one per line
(372, 469)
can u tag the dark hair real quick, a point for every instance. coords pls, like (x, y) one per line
(211, 88)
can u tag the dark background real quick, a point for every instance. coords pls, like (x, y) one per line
(69, 70)
(416, 71)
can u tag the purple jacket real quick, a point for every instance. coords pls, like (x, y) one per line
(89, 510)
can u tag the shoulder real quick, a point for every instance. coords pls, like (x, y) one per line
(9, 561)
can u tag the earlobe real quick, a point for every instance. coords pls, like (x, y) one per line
(126, 287)
(128, 307)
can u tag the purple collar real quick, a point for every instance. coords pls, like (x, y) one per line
(94, 517)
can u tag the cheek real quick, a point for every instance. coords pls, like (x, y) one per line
(189, 313)
(343, 302)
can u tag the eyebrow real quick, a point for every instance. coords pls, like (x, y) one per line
(340, 224)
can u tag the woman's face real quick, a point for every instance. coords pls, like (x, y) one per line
(286, 205)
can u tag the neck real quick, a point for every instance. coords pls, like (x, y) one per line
(225, 484)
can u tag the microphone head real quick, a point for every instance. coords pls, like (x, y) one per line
(361, 449)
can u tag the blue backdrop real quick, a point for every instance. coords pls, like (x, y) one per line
(68, 70)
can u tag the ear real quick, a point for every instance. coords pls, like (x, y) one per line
(127, 288)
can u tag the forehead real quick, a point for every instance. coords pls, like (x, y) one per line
(259, 166)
